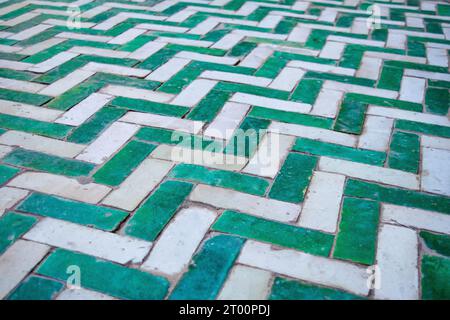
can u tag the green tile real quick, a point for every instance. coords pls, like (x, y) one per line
(291, 117)
(13, 226)
(49, 129)
(401, 197)
(404, 152)
(338, 151)
(284, 289)
(6, 173)
(351, 116)
(23, 97)
(245, 141)
(255, 90)
(293, 178)
(150, 107)
(385, 102)
(435, 278)
(208, 270)
(78, 212)
(307, 240)
(123, 163)
(171, 137)
(437, 101)
(157, 210)
(210, 106)
(440, 243)
(357, 235)
(429, 129)
(48, 163)
(36, 288)
(307, 91)
(105, 277)
(390, 78)
(88, 131)
(221, 178)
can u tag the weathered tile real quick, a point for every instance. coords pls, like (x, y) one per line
(78, 212)
(209, 269)
(358, 228)
(311, 241)
(127, 283)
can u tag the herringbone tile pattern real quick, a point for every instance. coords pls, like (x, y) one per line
(224, 149)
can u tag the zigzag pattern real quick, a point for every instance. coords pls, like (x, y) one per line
(121, 176)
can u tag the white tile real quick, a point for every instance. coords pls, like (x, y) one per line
(376, 133)
(396, 41)
(299, 265)
(427, 74)
(416, 218)
(437, 57)
(436, 171)
(320, 67)
(186, 42)
(168, 70)
(97, 243)
(17, 262)
(228, 119)
(287, 79)
(60, 186)
(83, 110)
(53, 62)
(332, 50)
(206, 57)
(209, 157)
(412, 89)
(138, 184)
(30, 32)
(254, 205)
(271, 152)
(82, 294)
(397, 257)
(115, 69)
(4, 150)
(368, 172)
(127, 36)
(68, 82)
(9, 197)
(20, 85)
(394, 56)
(236, 78)
(299, 34)
(408, 115)
(228, 41)
(111, 140)
(246, 283)
(434, 142)
(194, 92)
(42, 144)
(146, 50)
(14, 65)
(166, 122)
(322, 202)
(178, 242)
(161, 27)
(347, 87)
(272, 103)
(136, 93)
(28, 111)
(370, 68)
(327, 103)
(256, 57)
(313, 133)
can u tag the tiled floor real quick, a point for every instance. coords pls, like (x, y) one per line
(224, 149)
